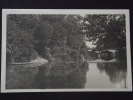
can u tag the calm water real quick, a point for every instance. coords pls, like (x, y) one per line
(106, 75)
(70, 75)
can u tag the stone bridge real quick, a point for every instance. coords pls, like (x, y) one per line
(107, 54)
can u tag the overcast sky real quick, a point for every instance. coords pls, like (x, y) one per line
(89, 44)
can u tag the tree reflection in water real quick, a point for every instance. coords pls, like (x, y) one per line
(20, 77)
(115, 71)
(59, 75)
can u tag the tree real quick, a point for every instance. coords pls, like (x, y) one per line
(26, 22)
(74, 36)
(28, 34)
(106, 31)
(43, 32)
(52, 18)
(19, 47)
(59, 36)
(42, 37)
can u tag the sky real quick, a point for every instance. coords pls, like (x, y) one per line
(89, 44)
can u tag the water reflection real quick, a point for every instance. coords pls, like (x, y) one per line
(115, 71)
(62, 76)
(67, 75)
(53, 75)
(106, 75)
(20, 77)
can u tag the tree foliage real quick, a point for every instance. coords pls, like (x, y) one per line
(106, 31)
(59, 35)
(48, 35)
(43, 32)
(25, 21)
(19, 47)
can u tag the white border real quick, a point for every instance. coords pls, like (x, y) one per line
(62, 11)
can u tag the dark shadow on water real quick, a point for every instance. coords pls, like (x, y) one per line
(20, 77)
(61, 76)
(50, 76)
(115, 71)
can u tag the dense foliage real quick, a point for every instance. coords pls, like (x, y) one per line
(106, 31)
(54, 37)
(60, 37)
(19, 43)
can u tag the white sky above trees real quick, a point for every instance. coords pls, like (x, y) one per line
(89, 44)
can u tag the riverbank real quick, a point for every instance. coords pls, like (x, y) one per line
(36, 62)
(102, 61)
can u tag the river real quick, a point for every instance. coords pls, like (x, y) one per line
(67, 76)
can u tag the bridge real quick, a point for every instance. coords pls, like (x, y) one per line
(108, 53)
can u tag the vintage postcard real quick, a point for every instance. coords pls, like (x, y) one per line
(58, 50)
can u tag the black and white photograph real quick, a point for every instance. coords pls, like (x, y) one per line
(65, 50)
